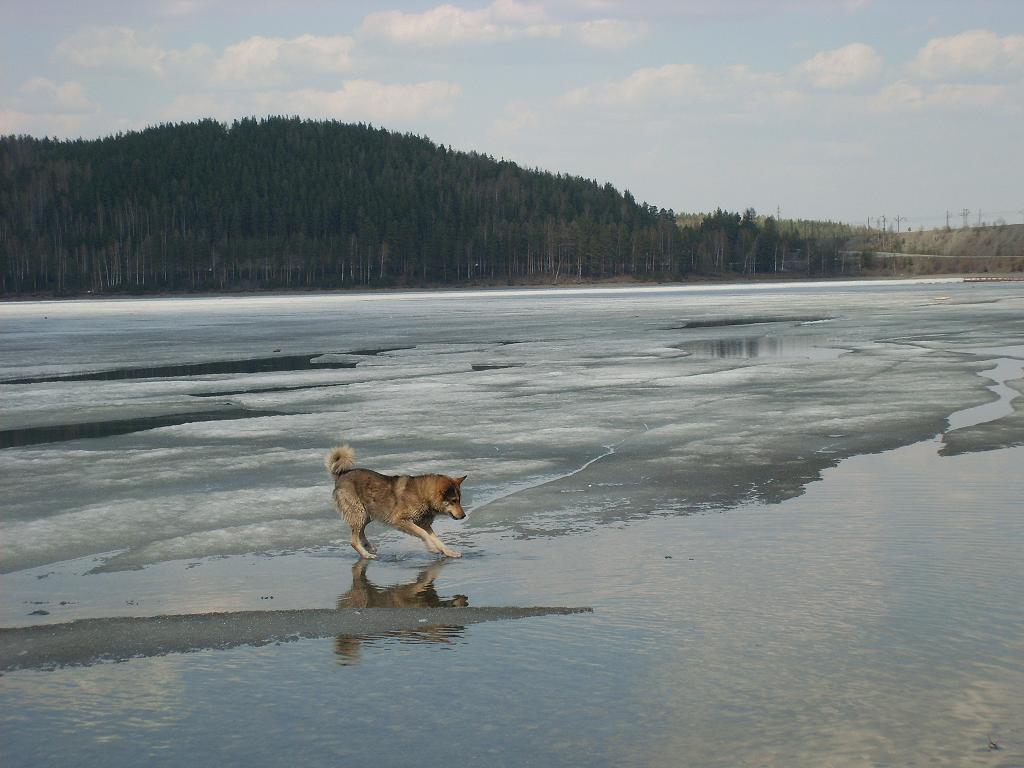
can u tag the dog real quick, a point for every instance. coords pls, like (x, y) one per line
(406, 502)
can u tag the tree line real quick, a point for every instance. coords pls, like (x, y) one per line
(288, 203)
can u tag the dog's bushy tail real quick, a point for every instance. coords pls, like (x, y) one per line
(340, 459)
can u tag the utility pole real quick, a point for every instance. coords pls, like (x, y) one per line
(947, 218)
(898, 219)
(979, 217)
(965, 212)
(882, 230)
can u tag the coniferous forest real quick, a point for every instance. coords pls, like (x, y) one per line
(287, 203)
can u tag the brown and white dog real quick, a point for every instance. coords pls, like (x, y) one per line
(406, 502)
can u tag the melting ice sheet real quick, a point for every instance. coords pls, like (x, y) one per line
(711, 397)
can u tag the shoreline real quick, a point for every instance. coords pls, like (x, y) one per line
(610, 285)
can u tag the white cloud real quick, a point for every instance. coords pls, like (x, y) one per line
(844, 67)
(268, 61)
(117, 48)
(517, 120)
(649, 85)
(502, 20)
(447, 24)
(42, 95)
(611, 33)
(256, 62)
(745, 77)
(904, 95)
(977, 51)
(367, 100)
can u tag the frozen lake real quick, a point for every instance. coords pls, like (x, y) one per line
(794, 509)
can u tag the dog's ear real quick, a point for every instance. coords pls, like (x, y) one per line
(458, 480)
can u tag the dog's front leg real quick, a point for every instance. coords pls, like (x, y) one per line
(444, 548)
(433, 543)
(438, 544)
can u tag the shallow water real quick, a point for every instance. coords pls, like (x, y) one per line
(784, 569)
(843, 627)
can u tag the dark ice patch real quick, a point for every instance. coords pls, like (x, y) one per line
(182, 370)
(59, 433)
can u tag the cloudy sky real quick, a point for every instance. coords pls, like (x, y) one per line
(842, 109)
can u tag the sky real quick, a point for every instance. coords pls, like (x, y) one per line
(847, 110)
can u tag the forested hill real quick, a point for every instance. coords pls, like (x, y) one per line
(283, 202)
(289, 203)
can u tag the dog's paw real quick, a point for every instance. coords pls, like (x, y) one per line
(370, 556)
(451, 553)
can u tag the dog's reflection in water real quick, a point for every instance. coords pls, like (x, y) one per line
(420, 593)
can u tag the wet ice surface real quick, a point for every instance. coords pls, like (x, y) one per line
(437, 386)
(873, 617)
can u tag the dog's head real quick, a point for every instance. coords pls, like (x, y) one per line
(451, 496)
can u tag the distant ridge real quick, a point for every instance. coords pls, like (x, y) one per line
(284, 203)
(289, 203)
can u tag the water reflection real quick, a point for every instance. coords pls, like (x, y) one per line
(419, 593)
(762, 346)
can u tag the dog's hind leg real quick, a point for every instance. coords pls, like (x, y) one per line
(358, 518)
(360, 543)
(366, 542)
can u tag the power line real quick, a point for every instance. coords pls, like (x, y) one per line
(965, 212)
(947, 216)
